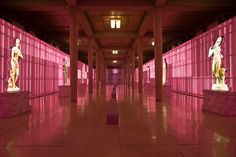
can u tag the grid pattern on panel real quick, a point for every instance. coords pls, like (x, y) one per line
(188, 66)
(41, 69)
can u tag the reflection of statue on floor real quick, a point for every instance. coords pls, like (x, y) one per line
(14, 72)
(65, 72)
(217, 70)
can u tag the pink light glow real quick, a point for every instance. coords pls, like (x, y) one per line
(188, 65)
(41, 70)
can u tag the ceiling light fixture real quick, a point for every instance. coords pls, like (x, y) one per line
(115, 23)
(114, 52)
(114, 61)
(153, 44)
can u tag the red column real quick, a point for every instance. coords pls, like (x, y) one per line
(73, 52)
(90, 64)
(157, 29)
(97, 68)
(132, 67)
(140, 65)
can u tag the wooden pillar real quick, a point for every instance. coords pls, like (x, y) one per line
(73, 52)
(90, 64)
(97, 68)
(140, 64)
(157, 29)
(102, 70)
(132, 67)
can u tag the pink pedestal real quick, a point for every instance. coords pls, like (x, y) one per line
(223, 103)
(166, 90)
(12, 104)
(64, 91)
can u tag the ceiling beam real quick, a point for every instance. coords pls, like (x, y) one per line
(160, 2)
(215, 3)
(115, 35)
(114, 7)
(71, 2)
(83, 20)
(110, 48)
(145, 23)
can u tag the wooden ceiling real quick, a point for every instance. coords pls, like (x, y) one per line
(50, 21)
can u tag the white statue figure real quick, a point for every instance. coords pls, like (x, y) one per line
(217, 70)
(164, 66)
(65, 72)
(148, 74)
(15, 69)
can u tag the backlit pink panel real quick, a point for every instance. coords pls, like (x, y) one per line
(188, 65)
(41, 70)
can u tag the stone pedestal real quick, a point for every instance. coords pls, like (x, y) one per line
(64, 90)
(12, 104)
(220, 102)
(166, 90)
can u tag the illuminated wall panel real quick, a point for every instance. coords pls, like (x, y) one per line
(41, 70)
(188, 65)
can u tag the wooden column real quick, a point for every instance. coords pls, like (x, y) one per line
(73, 52)
(157, 29)
(132, 67)
(140, 64)
(90, 64)
(97, 68)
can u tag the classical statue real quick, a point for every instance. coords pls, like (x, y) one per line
(164, 66)
(217, 69)
(16, 55)
(65, 72)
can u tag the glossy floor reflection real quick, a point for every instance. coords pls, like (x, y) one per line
(176, 127)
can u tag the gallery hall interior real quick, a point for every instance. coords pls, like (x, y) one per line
(117, 78)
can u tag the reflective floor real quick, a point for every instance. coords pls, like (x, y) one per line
(176, 127)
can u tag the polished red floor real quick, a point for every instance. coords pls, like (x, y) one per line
(176, 127)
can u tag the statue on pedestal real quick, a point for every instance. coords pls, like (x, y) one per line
(65, 72)
(16, 55)
(164, 66)
(217, 69)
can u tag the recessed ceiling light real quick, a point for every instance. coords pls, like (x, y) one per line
(118, 23)
(115, 23)
(115, 52)
(114, 61)
(153, 43)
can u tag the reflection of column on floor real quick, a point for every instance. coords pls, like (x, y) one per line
(73, 52)
(157, 28)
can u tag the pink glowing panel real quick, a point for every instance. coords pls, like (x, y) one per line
(188, 65)
(41, 70)
(115, 76)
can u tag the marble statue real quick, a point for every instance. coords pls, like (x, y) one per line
(217, 69)
(164, 66)
(65, 72)
(16, 55)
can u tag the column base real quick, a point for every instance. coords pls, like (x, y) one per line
(220, 102)
(13, 104)
(64, 91)
(166, 90)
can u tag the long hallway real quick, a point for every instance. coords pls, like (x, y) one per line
(176, 127)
